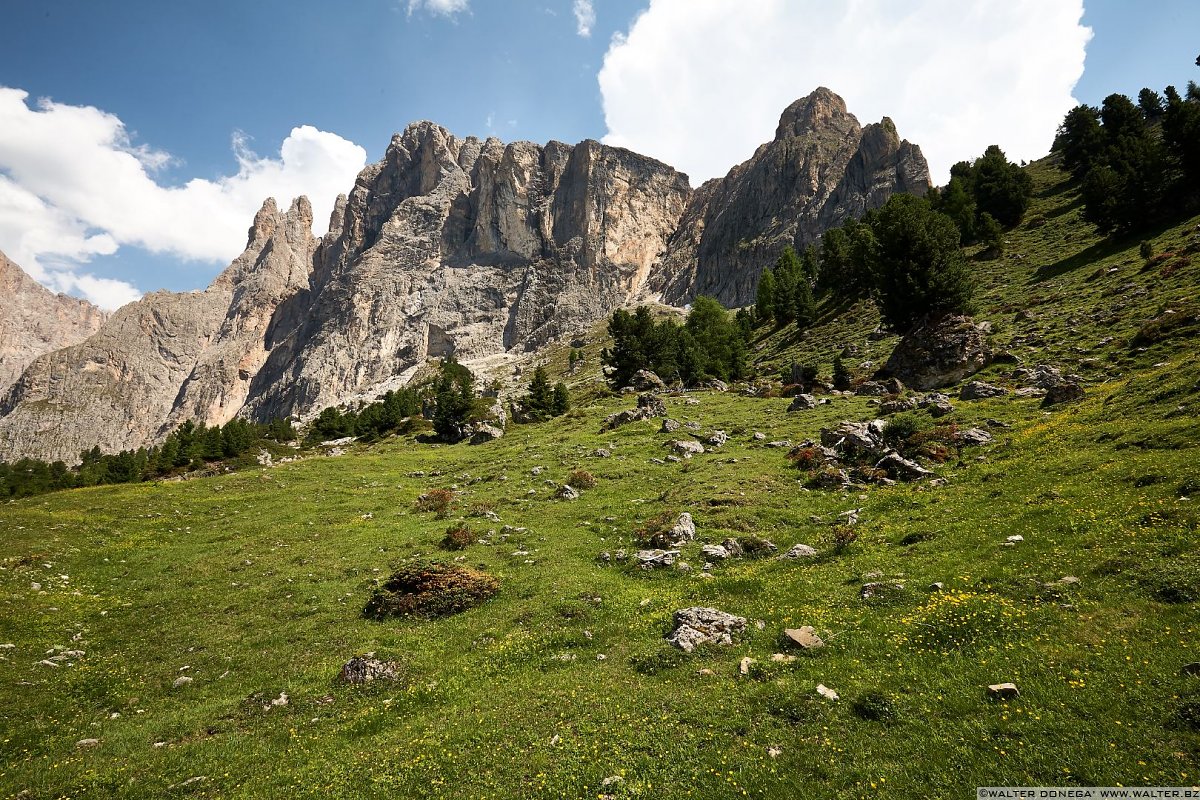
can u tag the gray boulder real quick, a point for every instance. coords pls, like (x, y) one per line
(902, 468)
(939, 353)
(1063, 393)
(684, 448)
(485, 433)
(683, 531)
(366, 668)
(800, 551)
(701, 625)
(646, 381)
(975, 437)
(656, 558)
(856, 438)
(978, 390)
(803, 402)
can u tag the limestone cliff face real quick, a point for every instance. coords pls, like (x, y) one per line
(467, 247)
(166, 358)
(821, 169)
(34, 320)
(447, 246)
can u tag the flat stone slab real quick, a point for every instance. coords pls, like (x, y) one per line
(805, 638)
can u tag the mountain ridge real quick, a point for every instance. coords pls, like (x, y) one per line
(468, 247)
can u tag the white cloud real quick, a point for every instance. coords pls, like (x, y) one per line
(700, 83)
(446, 8)
(585, 17)
(73, 186)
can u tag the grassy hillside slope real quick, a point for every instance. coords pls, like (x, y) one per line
(252, 585)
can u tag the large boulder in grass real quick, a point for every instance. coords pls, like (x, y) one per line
(430, 589)
(939, 353)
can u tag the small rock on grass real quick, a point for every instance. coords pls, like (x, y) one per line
(87, 743)
(826, 692)
(1003, 691)
(181, 681)
(800, 551)
(805, 638)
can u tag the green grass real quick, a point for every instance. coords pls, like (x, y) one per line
(256, 581)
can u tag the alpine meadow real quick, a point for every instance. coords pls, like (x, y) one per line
(544, 473)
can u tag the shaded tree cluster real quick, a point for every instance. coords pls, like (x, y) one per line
(544, 401)
(710, 344)
(386, 416)
(984, 196)
(1136, 162)
(785, 291)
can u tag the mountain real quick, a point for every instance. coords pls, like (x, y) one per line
(166, 358)
(449, 246)
(34, 320)
(469, 248)
(821, 169)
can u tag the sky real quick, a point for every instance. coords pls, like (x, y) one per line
(137, 139)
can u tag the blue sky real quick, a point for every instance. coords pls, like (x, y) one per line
(695, 82)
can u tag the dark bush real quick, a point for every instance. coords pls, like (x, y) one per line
(458, 537)
(874, 707)
(581, 479)
(436, 500)
(903, 426)
(842, 536)
(430, 589)
(756, 546)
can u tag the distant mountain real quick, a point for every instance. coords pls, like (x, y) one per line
(449, 246)
(34, 320)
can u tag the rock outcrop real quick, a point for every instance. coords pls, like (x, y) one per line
(939, 353)
(34, 320)
(821, 169)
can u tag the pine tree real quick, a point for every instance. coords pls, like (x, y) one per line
(841, 375)
(918, 269)
(788, 274)
(1150, 103)
(806, 307)
(764, 306)
(561, 403)
(455, 396)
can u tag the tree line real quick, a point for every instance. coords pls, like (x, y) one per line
(188, 447)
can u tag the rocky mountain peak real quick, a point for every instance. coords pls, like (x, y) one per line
(821, 169)
(820, 109)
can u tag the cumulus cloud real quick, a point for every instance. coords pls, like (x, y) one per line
(700, 83)
(585, 17)
(73, 186)
(446, 8)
